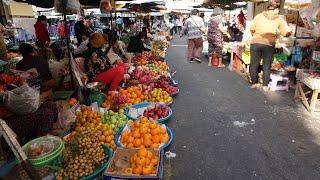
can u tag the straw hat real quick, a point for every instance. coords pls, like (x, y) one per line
(98, 40)
(217, 11)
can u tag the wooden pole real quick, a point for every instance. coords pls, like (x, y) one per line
(68, 41)
(15, 147)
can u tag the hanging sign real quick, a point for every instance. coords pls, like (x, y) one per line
(106, 6)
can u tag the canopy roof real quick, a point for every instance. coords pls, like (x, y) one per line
(50, 3)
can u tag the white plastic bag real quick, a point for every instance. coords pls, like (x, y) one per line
(23, 100)
(72, 6)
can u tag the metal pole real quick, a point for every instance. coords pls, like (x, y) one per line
(68, 41)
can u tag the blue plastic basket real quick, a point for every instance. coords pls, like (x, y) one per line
(169, 131)
(145, 104)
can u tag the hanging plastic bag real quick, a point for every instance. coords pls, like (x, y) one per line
(23, 100)
(71, 6)
(106, 6)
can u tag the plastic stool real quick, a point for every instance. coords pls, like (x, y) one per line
(278, 83)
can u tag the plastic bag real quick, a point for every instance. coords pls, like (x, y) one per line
(56, 69)
(23, 100)
(72, 6)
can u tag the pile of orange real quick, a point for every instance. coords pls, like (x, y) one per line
(143, 162)
(140, 62)
(88, 118)
(144, 133)
(133, 95)
(106, 135)
(108, 101)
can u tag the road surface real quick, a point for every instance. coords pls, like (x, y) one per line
(225, 130)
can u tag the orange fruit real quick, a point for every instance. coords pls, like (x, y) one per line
(141, 161)
(155, 139)
(130, 145)
(147, 142)
(163, 130)
(146, 170)
(150, 155)
(143, 152)
(144, 120)
(154, 161)
(133, 158)
(130, 139)
(155, 145)
(147, 136)
(155, 131)
(143, 130)
(165, 138)
(153, 125)
(137, 170)
(137, 143)
(136, 134)
(148, 161)
(136, 124)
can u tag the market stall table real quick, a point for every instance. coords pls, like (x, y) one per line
(304, 78)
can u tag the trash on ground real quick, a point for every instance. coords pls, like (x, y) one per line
(170, 155)
(241, 124)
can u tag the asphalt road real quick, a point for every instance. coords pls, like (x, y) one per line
(225, 130)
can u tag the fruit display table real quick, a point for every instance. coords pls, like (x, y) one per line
(308, 82)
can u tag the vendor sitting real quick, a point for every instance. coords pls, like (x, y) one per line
(136, 44)
(32, 60)
(99, 67)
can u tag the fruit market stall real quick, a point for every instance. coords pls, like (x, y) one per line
(114, 123)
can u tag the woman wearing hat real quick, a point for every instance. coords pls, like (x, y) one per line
(99, 67)
(215, 35)
(264, 30)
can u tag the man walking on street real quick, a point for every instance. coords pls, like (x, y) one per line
(194, 26)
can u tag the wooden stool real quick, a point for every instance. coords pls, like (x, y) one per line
(278, 83)
(300, 95)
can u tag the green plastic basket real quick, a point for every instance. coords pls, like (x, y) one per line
(99, 172)
(46, 159)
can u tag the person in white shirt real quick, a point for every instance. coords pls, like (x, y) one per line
(194, 26)
(179, 24)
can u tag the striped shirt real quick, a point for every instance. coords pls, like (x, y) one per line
(194, 25)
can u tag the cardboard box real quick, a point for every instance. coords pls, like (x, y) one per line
(124, 154)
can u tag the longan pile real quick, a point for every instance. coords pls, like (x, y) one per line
(82, 155)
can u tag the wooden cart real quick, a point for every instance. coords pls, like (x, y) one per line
(306, 84)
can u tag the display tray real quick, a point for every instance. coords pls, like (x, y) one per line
(306, 78)
(114, 172)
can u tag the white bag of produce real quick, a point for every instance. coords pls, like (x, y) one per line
(23, 100)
